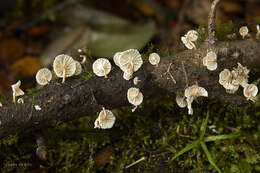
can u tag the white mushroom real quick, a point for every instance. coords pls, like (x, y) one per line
(78, 68)
(193, 92)
(136, 80)
(16, 90)
(130, 60)
(189, 38)
(84, 59)
(135, 97)
(116, 58)
(64, 66)
(20, 101)
(187, 43)
(43, 76)
(105, 120)
(192, 35)
(1, 105)
(37, 107)
(243, 31)
(181, 102)
(258, 31)
(250, 91)
(127, 76)
(240, 75)
(210, 61)
(154, 59)
(227, 81)
(101, 67)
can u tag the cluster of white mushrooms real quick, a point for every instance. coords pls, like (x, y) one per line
(231, 80)
(210, 61)
(189, 39)
(244, 31)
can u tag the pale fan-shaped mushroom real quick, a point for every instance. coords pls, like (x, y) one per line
(127, 76)
(258, 31)
(37, 107)
(20, 101)
(105, 120)
(193, 92)
(16, 90)
(187, 43)
(243, 31)
(181, 102)
(250, 91)
(136, 80)
(43, 76)
(64, 66)
(210, 61)
(135, 97)
(130, 60)
(78, 68)
(240, 75)
(116, 58)
(227, 81)
(192, 35)
(101, 67)
(154, 59)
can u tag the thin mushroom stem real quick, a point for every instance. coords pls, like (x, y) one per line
(105, 112)
(212, 22)
(14, 97)
(83, 59)
(64, 75)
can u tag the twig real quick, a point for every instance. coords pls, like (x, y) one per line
(212, 22)
(168, 72)
(132, 164)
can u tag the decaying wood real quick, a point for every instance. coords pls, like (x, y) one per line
(65, 102)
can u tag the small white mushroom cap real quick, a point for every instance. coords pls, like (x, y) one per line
(243, 31)
(101, 67)
(240, 75)
(195, 91)
(187, 43)
(78, 68)
(181, 101)
(192, 35)
(37, 107)
(130, 60)
(117, 57)
(225, 76)
(134, 96)
(136, 80)
(127, 76)
(210, 61)
(16, 90)
(20, 101)
(154, 59)
(43, 76)
(105, 120)
(250, 91)
(64, 66)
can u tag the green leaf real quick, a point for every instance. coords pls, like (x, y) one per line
(204, 126)
(220, 137)
(211, 161)
(187, 148)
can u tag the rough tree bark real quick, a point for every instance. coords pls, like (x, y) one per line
(65, 102)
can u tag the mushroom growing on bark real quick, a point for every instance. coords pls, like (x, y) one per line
(135, 97)
(243, 31)
(64, 66)
(16, 90)
(105, 120)
(210, 61)
(43, 76)
(189, 38)
(250, 91)
(193, 92)
(181, 101)
(154, 59)
(101, 67)
(240, 75)
(226, 80)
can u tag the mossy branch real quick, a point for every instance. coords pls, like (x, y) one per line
(76, 98)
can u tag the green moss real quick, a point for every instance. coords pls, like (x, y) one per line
(224, 29)
(86, 77)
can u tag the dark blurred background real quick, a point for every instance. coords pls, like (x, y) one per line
(32, 32)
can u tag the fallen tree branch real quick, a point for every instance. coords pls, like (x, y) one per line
(65, 102)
